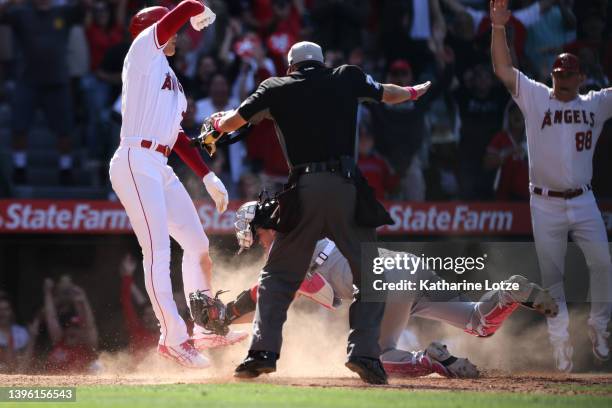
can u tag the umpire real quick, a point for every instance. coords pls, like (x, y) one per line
(315, 109)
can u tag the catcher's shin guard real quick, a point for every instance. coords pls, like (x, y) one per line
(496, 306)
(398, 363)
(488, 322)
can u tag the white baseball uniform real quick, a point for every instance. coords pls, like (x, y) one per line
(156, 202)
(561, 139)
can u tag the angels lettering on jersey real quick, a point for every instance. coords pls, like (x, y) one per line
(171, 83)
(568, 116)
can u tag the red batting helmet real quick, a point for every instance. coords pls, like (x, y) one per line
(146, 18)
(566, 62)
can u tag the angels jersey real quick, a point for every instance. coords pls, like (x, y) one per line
(152, 99)
(561, 136)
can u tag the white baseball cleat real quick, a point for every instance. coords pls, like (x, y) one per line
(205, 341)
(599, 338)
(564, 353)
(184, 354)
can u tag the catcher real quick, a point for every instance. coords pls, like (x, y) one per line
(329, 281)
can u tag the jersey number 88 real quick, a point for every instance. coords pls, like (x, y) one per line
(584, 141)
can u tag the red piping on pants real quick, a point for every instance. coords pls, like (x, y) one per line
(151, 243)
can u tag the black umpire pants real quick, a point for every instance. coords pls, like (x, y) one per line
(328, 210)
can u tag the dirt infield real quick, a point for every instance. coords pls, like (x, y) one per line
(543, 383)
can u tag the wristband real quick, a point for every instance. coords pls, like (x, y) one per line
(216, 124)
(413, 92)
(498, 26)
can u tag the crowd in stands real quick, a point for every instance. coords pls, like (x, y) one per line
(464, 140)
(62, 336)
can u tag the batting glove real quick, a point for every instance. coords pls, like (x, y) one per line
(203, 20)
(217, 191)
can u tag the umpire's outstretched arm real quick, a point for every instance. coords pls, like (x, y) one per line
(392, 94)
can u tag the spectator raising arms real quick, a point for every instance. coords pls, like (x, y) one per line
(74, 337)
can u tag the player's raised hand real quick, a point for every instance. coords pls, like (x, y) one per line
(203, 20)
(421, 89)
(217, 191)
(499, 12)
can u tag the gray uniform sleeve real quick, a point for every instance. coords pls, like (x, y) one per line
(335, 270)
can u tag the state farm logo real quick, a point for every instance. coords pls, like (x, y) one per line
(457, 219)
(80, 218)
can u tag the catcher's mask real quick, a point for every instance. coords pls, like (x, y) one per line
(252, 215)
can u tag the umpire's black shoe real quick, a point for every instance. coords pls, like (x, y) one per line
(257, 363)
(369, 369)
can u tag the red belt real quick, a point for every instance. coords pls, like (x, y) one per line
(163, 149)
(567, 194)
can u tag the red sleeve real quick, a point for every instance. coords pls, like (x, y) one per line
(132, 322)
(190, 155)
(174, 20)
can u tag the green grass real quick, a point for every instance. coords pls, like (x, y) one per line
(270, 396)
(585, 388)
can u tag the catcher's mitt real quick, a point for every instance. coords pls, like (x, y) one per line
(209, 313)
(208, 137)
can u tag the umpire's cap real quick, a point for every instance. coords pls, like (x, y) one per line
(146, 18)
(566, 62)
(305, 51)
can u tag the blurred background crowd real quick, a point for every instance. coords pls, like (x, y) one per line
(61, 61)
(62, 336)
(60, 84)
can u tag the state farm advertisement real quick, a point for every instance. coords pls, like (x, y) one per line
(106, 217)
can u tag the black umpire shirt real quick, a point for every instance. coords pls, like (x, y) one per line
(314, 110)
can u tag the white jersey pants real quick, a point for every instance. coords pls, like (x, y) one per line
(552, 220)
(158, 205)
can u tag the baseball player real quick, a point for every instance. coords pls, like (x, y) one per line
(329, 281)
(157, 204)
(562, 129)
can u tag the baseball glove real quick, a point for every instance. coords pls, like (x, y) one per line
(210, 313)
(208, 137)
